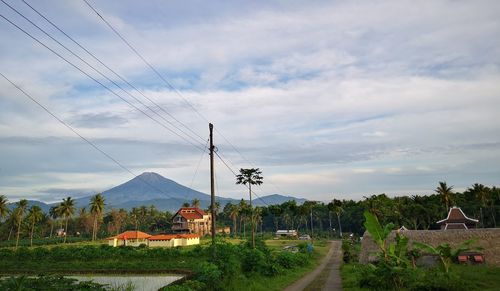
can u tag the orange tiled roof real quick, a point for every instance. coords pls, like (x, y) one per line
(131, 234)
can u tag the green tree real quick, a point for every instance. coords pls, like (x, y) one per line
(4, 210)
(195, 203)
(35, 215)
(66, 210)
(481, 193)
(96, 209)
(446, 194)
(337, 208)
(250, 177)
(53, 215)
(19, 213)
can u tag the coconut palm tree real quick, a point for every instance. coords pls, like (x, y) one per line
(234, 211)
(4, 210)
(482, 195)
(337, 208)
(195, 203)
(66, 209)
(19, 213)
(250, 177)
(35, 215)
(53, 214)
(446, 194)
(96, 208)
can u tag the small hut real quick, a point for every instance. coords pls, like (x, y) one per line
(457, 220)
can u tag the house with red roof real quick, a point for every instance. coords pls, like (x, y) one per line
(192, 220)
(129, 238)
(457, 220)
(137, 238)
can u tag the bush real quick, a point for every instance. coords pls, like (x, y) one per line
(209, 274)
(253, 260)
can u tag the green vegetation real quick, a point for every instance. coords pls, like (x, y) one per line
(237, 266)
(47, 283)
(395, 269)
(241, 267)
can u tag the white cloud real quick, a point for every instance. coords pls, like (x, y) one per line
(318, 94)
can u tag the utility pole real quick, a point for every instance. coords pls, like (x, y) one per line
(312, 229)
(212, 184)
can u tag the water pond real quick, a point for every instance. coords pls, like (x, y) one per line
(139, 282)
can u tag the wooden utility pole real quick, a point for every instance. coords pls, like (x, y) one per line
(212, 183)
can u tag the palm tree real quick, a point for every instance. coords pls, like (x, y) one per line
(35, 214)
(53, 214)
(446, 194)
(250, 177)
(195, 203)
(337, 208)
(4, 210)
(19, 215)
(234, 211)
(66, 209)
(482, 194)
(96, 208)
(186, 204)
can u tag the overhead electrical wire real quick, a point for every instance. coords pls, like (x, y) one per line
(95, 69)
(160, 76)
(110, 69)
(97, 81)
(93, 145)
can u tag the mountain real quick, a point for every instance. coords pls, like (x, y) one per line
(44, 206)
(146, 187)
(276, 199)
(153, 189)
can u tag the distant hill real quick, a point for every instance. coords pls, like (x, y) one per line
(44, 206)
(165, 194)
(276, 199)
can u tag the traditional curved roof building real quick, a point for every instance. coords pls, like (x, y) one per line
(457, 220)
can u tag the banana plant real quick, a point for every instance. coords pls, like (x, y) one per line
(378, 233)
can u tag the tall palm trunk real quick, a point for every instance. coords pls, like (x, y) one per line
(94, 227)
(66, 230)
(18, 232)
(10, 232)
(31, 233)
(51, 228)
(235, 223)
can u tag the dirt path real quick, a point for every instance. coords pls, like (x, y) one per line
(326, 276)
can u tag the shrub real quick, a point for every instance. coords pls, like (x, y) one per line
(209, 274)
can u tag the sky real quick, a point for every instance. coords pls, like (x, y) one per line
(330, 99)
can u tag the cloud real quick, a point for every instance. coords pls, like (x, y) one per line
(326, 97)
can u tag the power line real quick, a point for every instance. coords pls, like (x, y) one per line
(97, 81)
(110, 69)
(166, 81)
(81, 136)
(145, 61)
(234, 173)
(93, 68)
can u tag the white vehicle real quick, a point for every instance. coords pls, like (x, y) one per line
(305, 237)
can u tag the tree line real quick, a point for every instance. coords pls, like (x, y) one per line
(312, 217)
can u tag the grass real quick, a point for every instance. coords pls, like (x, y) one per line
(280, 282)
(480, 277)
